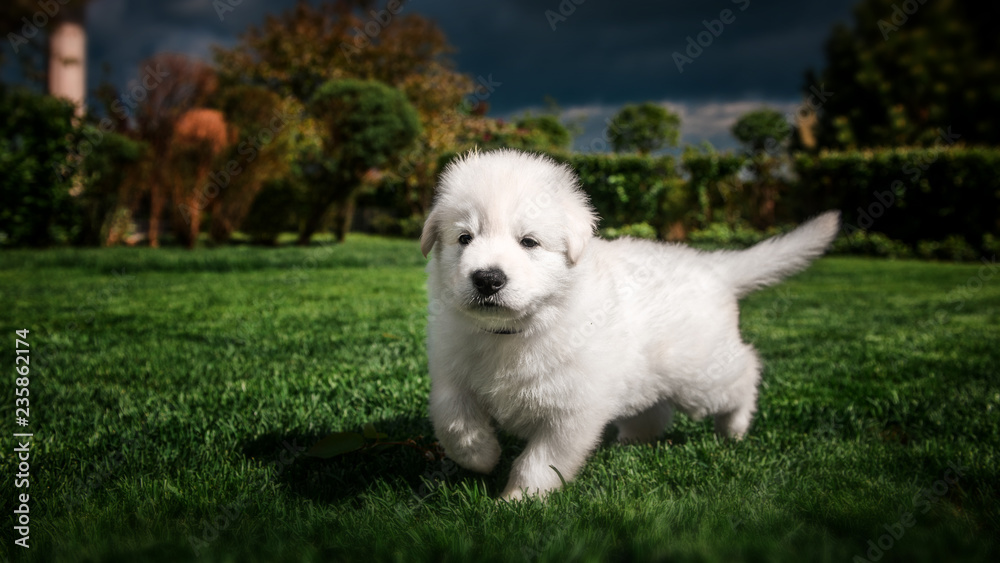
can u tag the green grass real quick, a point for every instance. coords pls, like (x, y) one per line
(172, 393)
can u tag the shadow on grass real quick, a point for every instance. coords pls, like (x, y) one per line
(409, 469)
(414, 470)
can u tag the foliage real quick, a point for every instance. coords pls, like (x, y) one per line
(741, 235)
(275, 209)
(907, 70)
(200, 137)
(764, 134)
(910, 194)
(762, 131)
(954, 248)
(728, 236)
(186, 85)
(297, 51)
(713, 178)
(635, 230)
(531, 134)
(630, 189)
(265, 129)
(37, 167)
(107, 177)
(364, 124)
(991, 244)
(862, 243)
(547, 133)
(644, 128)
(878, 376)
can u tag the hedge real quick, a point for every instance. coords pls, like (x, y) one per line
(909, 194)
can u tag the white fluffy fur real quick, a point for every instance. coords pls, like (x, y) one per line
(598, 332)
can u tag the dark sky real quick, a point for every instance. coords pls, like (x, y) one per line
(604, 53)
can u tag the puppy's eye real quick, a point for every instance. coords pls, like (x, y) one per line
(465, 239)
(529, 242)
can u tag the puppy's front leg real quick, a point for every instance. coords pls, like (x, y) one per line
(463, 427)
(564, 446)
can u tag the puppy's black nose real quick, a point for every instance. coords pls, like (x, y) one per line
(488, 282)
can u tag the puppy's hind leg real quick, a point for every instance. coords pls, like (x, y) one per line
(645, 426)
(735, 421)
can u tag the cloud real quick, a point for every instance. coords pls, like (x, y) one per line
(603, 54)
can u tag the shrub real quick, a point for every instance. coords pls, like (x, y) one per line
(274, 210)
(105, 172)
(364, 123)
(637, 230)
(991, 244)
(631, 189)
(712, 176)
(724, 235)
(953, 248)
(910, 194)
(36, 169)
(863, 243)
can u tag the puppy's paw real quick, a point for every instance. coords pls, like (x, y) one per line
(479, 455)
(512, 494)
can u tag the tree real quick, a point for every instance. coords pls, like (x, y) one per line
(546, 131)
(907, 72)
(263, 126)
(762, 131)
(296, 52)
(644, 128)
(529, 133)
(182, 84)
(200, 135)
(764, 134)
(364, 124)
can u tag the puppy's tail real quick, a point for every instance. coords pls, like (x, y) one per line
(772, 260)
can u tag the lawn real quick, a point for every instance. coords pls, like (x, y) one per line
(173, 395)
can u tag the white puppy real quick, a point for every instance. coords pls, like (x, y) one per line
(540, 328)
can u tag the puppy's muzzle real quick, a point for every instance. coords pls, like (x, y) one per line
(488, 282)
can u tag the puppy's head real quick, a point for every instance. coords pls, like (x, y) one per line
(507, 228)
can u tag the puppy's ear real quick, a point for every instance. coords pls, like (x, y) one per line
(580, 224)
(430, 233)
